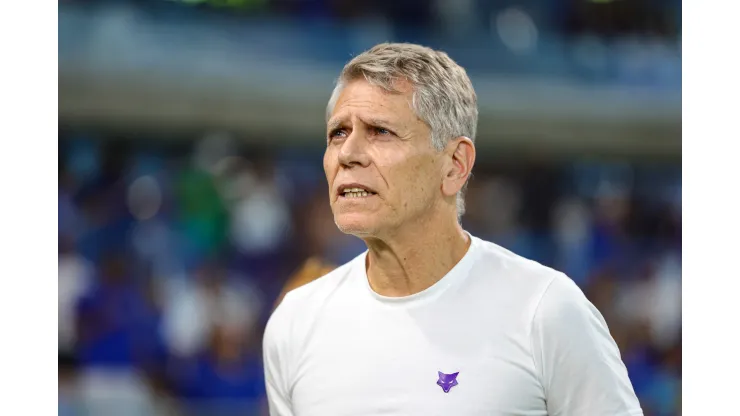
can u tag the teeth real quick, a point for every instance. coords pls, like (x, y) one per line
(355, 192)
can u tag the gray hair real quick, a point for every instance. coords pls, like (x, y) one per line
(443, 95)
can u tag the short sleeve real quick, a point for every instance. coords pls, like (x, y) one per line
(275, 356)
(579, 363)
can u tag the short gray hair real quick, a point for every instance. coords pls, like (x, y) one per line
(443, 95)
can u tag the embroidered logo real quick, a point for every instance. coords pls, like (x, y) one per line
(447, 381)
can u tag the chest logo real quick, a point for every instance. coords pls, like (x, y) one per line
(447, 381)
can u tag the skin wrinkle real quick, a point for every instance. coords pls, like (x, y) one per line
(416, 187)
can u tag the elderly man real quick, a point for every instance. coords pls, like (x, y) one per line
(430, 320)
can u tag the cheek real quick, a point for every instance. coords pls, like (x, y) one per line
(410, 177)
(328, 168)
(423, 173)
(411, 182)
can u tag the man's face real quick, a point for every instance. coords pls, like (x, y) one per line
(379, 162)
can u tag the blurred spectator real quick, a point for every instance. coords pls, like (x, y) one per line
(319, 234)
(224, 379)
(654, 301)
(68, 399)
(68, 216)
(75, 274)
(116, 320)
(571, 226)
(202, 217)
(259, 214)
(213, 299)
(118, 338)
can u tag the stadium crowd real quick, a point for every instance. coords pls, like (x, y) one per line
(172, 255)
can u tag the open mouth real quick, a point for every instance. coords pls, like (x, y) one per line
(355, 192)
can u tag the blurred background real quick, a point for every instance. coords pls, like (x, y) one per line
(191, 188)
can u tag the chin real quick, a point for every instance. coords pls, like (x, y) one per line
(356, 224)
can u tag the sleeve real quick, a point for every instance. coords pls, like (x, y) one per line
(578, 361)
(275, 355)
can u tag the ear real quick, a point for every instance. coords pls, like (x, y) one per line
(459, 161)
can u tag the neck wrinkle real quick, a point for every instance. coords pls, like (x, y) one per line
(411, 262)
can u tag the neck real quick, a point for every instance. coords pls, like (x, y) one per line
(415, 257)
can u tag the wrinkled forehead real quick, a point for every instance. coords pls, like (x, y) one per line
(362, 98)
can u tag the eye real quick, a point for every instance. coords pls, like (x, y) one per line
(381, 131)
(337, 134)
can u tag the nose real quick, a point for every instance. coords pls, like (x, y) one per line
(353, 151)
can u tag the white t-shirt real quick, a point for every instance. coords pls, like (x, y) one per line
(498, 335)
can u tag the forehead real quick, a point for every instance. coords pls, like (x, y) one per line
(361, 99)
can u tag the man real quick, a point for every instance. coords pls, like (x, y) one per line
(429, 320)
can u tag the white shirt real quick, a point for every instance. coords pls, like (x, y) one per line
(523, 339)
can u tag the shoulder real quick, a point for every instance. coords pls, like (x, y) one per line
(514, 274)
(538, 297)
(302, 303)
(565, 316)
(319, 289)
(312, 269)
(563, 303)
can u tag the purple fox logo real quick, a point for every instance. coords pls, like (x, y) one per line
(447, 381)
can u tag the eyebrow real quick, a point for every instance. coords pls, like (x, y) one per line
(333, 124)
(380, 122)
